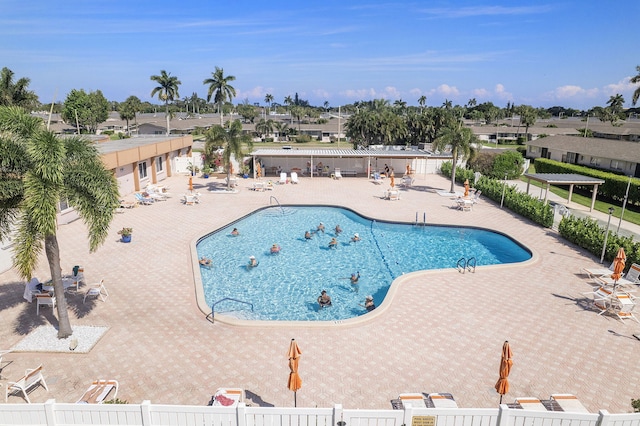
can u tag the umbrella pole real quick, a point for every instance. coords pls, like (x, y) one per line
(500, 398)
(295, 402)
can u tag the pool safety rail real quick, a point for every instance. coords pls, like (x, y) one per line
(212, 315)
(466, 265)
(424, 219)
(271, 199)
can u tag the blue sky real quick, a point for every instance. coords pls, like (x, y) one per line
(571, 53)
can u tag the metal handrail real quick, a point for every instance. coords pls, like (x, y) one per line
(461, 266)
(227, 298)
(277, 202)
(469, 266)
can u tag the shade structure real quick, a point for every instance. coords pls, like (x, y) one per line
(295, 382)
(466, 187)
(393, 181)
(618, 265)
(502, 386)
(190, 183)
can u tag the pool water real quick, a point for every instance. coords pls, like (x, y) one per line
(285, 286)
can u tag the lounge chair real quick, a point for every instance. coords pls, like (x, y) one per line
(623, 306)
(633, 274)
(44, 299)
(98, 391)
(531, 403)
(96, 290)
(569, 402)
(142, 199)
(377, 179)
(31, 289)
(597, 272)
(417, 400)
(442, 400)
(152, 193)
(3, 353)
(283, 178)
(227, 397)
(294, 177)
(31, 379)
(337, 174)
(407, 181)
(476, 197)
(258, 186)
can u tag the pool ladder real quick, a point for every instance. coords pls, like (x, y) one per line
(272, 198)
(222, 300)
(424, 219)
(465, 265)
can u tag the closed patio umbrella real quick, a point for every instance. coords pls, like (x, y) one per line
(295, 382)
(393, 181)
(502, 386)
(618, 266)
(190, 183)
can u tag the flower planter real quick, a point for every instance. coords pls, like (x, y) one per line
(126, 238)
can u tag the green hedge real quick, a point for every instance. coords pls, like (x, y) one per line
(614, 187)
(516, 201)
(586, 233)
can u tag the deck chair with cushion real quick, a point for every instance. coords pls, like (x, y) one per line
(569, 402)
(96, 290)
(377, 178)
(143, 200)
(633, 274)
(623, 306)
(31, 379)
(227, 397)
(45, 299)
(531, 403)
(294, 177)
(98, 391)
(283, 178)
(442, 400)
(337, 174)
(31, 289)
(417, 400)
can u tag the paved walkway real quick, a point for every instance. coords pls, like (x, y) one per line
(441, 332)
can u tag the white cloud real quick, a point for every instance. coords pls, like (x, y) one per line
(321, 93)
(481, 93)
(502, 93)
(446, 90)
(359, 94)
(623, 86)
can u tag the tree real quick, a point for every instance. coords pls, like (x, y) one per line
(220, 89)
(247, 111)
(636, 80)
(232, 140)
(297, 112)
(422, 101)
(461, 140)
(39, 170)
(265, 127)
(16, 93)
(268, 99)
(167, 90)
(85, 109)
(129, 109)
(528, 116)
(326, 106)
(282, 128)
(615, 103)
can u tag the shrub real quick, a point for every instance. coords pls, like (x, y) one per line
(303, 139)
(509, 162)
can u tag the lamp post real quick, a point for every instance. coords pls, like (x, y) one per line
(624, 204)
(504, 187)
(606, 235)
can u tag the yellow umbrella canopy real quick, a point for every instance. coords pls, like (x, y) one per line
(295, 382)
(190, 183)
(393, 181)
(466, 187)
(258, 170)
(618, 264)
(506, 361)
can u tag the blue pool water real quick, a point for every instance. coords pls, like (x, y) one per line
(285, 286)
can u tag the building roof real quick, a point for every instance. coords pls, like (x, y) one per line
(595, 147)
(564, 178)
(359, 153)
(133, 142)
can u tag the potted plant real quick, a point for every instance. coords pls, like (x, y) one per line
(206, 169)
(125, 234)
(245, 171)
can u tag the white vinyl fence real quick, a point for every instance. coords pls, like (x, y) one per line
(147, 414)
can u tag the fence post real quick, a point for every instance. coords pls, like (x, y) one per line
(604, 418)
(408, 413)
(337, 415)
(145, 412)
(503, 415)
(49, 412)
(241, 414)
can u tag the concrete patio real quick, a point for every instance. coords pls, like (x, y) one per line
(442, 331)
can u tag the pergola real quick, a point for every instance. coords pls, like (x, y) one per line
(570, 179)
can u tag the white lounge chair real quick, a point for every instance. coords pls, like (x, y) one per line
(96, 290)
(531, 403)
(3, 353)
(45, 299)
(143, 200)
(294, 177)
(337, 174)
(633, 274)
(98, 391)
(227, 397)
(377, 178)
(31, 379)
(258, 186)
(417, 400)
(442, 400)
(283, 178)
(569, 402)
(623, 306)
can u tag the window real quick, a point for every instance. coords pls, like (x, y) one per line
(142, 170)
(595, 161)
(617, 165)
(159, 164)
(534, 149)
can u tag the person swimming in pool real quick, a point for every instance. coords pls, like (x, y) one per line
(338, 230)
(206, 262)
(324, 299)
(235, 232)
(355, 277)
(307, 235)
(355, 238)
(333, 243)
(275, 248)
(369, 305)
(320, 228)
(252, 262)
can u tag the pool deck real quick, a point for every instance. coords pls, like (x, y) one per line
(442, 332)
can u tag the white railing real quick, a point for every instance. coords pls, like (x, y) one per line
(52, 413)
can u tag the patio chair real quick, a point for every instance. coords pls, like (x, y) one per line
(227, 397)
(531, 403)
(476, 197)
(283, 178)
(96, 290)
(442, 400)
(45, 299)
(3, 353)
(31, 379)
(337, 174)
(407, 181)
(569, 402)
(258, 186)
(98, 391)
(142, 199)
(601, 299)
(294, 177)
(377, 178)
(633, 274)
(31, 289)
(417, 400)
(623, 306)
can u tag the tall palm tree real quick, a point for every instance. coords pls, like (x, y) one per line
(265, 127)
(16, 93)
(422, 101)
(461, 140)
(167, 90)
(636, 80)
(268, 99)
(39, 170)
(615, 103)
(220, 89)
(232, 140)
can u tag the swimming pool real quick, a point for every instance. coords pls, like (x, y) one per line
(285, 286)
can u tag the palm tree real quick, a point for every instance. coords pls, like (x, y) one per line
(265, 127)
(129, 109)
(39, 170)
(268, 99)
(282, 128)
(220, 88)
(167, 90)
(461, 140)
(326, 106)
(16, 93)
(636, 80)
(615, 103)
(233, 141)
(422, 101)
